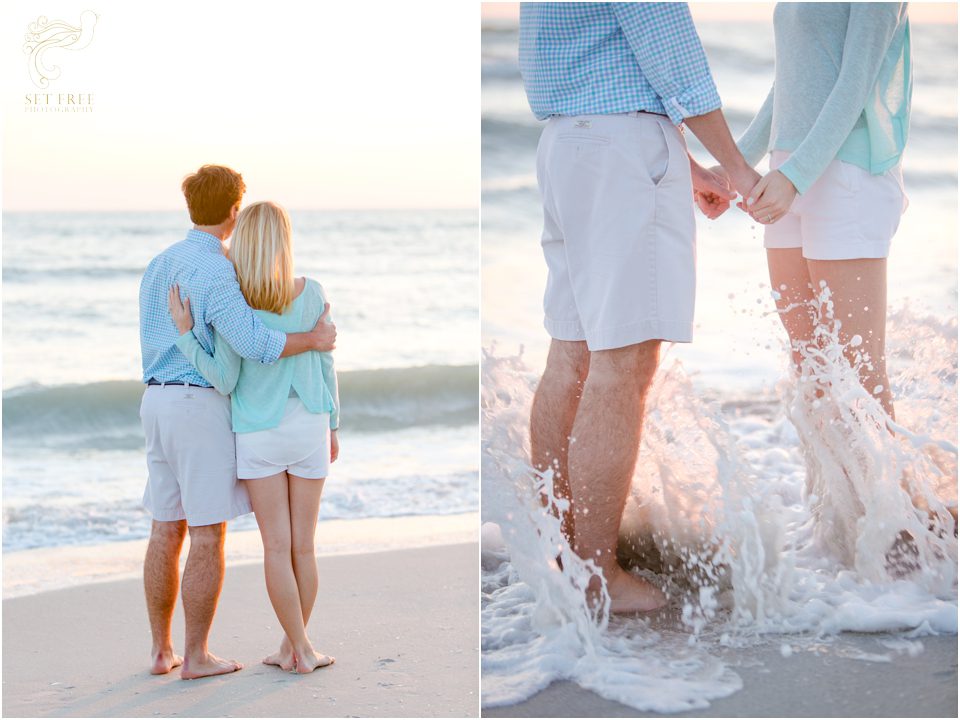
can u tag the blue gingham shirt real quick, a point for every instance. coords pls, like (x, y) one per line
(603, 58)
(208, 278)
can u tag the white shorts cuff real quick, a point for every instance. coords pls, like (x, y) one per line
(167, 514)
(215, 517)
(620, 336)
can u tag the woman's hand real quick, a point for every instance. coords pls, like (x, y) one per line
(180, 311)
(771, 199)
(334, 446)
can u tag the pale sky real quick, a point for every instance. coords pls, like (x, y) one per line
(732, 11)
(318, 105)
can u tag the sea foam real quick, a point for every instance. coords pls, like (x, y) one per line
(760, 517)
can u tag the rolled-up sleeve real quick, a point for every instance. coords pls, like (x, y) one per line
(231, 317)
(665, 42)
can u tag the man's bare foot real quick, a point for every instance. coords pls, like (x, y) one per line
(630, 594)
(207, 666)
(309, 661)
(282, 658)
(164, 661)
(902, 558)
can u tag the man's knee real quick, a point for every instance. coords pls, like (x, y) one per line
(168, 533)
(633, 365)
(207, 536)
(568, 362)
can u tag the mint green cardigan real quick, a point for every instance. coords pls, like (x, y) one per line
(259, 392)
(841, 89)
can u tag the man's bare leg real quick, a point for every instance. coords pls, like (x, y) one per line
(202, 582)
(161, 581)
(603, 453)
(552, 414)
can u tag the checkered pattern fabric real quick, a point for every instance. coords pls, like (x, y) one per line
(207, 277)
(602, 58)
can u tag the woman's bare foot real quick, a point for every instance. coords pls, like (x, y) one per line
(206, 666)
(630, 594)
(283, 658)
(311, 660)
(164, 661)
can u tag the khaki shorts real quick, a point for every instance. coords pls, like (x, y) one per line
(619, 236)
(191, 457)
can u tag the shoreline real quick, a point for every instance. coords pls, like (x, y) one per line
(402, 624)
(40, 570)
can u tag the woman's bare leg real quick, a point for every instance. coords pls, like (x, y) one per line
(304, 509)
(790, 280)
(858, 289)
(270, 500)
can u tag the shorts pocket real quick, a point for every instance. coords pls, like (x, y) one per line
(583, 144)
(849, 177)
(188, 407)
(655, 155)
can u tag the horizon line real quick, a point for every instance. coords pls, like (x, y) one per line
(9, 211)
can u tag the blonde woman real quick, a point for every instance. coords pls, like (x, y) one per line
(285, 417)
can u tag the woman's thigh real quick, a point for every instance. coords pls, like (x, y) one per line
(304, 509)
(858, 289)
(793, 293)
(270, 500)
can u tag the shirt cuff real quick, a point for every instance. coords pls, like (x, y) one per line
(275, 344)
(795, 175)
(752, 153)
(183, 338)
(698, 99)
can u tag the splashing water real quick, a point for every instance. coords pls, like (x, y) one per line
(754, 522)
(872, 492)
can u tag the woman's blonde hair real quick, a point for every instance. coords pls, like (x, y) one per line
(262, 252)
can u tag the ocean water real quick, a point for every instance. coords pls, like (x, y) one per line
(737, 478)
(403, 290)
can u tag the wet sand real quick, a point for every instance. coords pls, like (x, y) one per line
(821, 681)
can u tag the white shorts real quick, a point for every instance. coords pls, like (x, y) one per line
(299, 445)
(619, 236)
(847, 214)
(191, 461)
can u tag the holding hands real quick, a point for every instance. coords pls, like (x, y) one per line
(771, 198)
(766, 199)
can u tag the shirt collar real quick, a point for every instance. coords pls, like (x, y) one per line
(206, 239)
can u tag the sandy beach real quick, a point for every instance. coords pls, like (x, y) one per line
(835, 680)
(402, 625)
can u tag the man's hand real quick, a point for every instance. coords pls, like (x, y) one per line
(711, 129)
(771, 199)
(334, 446)
(710, 190)
(324, 333)
(180, 311)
